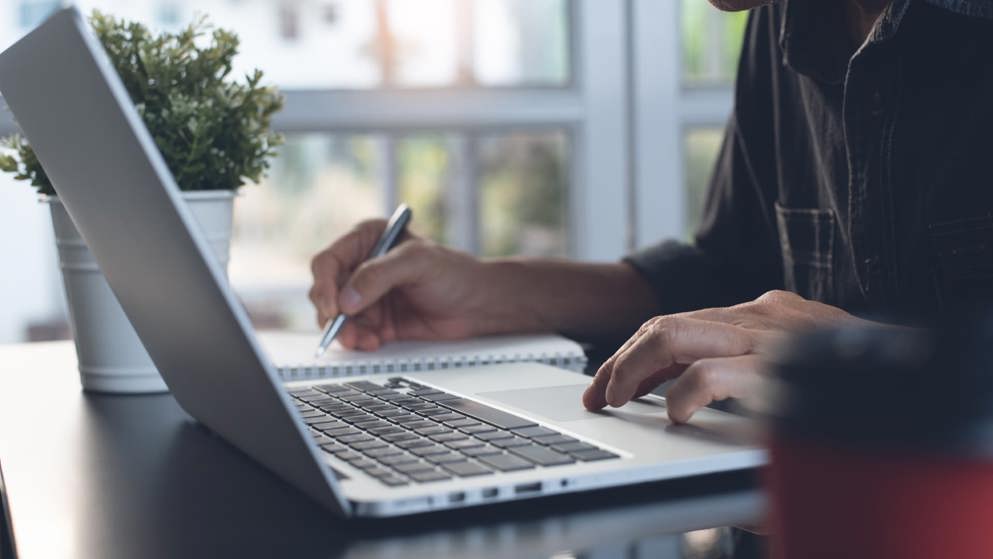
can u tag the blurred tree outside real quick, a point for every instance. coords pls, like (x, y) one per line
(523, 194)
(711, 43)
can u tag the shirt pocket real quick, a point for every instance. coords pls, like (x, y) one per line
(806, 239)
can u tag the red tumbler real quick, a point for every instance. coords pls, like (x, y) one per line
(881, 445)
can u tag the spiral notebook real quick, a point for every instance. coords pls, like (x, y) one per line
(293, 355)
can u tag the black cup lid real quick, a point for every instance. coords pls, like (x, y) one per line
(882, 386)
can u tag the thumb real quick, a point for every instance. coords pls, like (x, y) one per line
(375, 278)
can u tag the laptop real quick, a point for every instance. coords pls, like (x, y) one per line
(375, 446)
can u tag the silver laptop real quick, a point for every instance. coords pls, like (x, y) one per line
(378, 445)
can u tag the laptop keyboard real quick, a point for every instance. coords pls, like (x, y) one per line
(401, 432)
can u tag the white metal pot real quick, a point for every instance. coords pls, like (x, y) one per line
(111, 357)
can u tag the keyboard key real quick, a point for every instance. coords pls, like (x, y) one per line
(348, 439)
(395, 459)
(493, 435)
(554, 439)
(449, 416)
(506, 462)
(462, 423)
(332, 388)
(466, 469)
(413, 443)
(406, 418)
(388, 430)
(312, 413)
(433, 430)
(481, 428)
(397, 437)
(487, 414)
(342, 431)
(393, 480)
(411, 467)
(534, 432)
(480, 450)
(418, 406)
(464, 443)
(541, 455)
(348, 456)
(391, 413)
(364, 464)
(593, 455)
(431, 412)
(379, 472)
(323, 418)
(573, 447)
(368, 445)
(428, 476)
(440, 397)
(333, 447)
(321, 439)
(448, 436)
(511, 443)
(423, 424)
(363, 385)
(424, 392)
(445, 458)
(428, 450)
(383, 452)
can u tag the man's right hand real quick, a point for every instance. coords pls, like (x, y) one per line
(418, 290)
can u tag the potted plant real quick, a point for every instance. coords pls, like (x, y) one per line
(213, 131)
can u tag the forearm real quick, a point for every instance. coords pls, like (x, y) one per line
(591, 302)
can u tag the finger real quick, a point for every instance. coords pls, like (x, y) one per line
(655, 380)
(593, 396)
(710, 380)
(669, 342)
(331, 265)
(375, 278)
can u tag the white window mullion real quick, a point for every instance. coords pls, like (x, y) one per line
(599, 193)
(463, 222)
(658, 168)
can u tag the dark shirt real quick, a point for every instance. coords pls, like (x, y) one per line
(859, 177)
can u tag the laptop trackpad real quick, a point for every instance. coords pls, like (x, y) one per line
(562, 403)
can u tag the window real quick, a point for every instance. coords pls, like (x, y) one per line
(574, 128)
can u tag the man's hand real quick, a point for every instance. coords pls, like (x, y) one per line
(419, 290)
(715, 353)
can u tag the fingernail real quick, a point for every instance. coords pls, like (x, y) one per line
(349, 299)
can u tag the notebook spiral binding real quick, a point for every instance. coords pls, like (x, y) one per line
(373, 366)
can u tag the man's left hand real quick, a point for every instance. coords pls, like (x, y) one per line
(713, 353)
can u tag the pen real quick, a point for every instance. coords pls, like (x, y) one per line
(394, 228)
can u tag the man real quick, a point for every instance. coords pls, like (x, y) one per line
(855, 179)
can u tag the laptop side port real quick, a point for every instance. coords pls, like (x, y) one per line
(490, 493)
(525, 488)
(457, 497)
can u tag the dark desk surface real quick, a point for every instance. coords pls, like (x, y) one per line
(134, 476)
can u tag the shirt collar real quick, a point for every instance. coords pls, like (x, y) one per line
(812, 44)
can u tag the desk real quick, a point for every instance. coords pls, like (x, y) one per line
(133, 476)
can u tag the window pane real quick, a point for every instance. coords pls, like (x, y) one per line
(317, 189)
(523, 198)
(711, 43)
(700, 148)
(521, 42)
(357, 44)
(424, 166)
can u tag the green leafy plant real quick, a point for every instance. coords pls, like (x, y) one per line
(213, 131)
